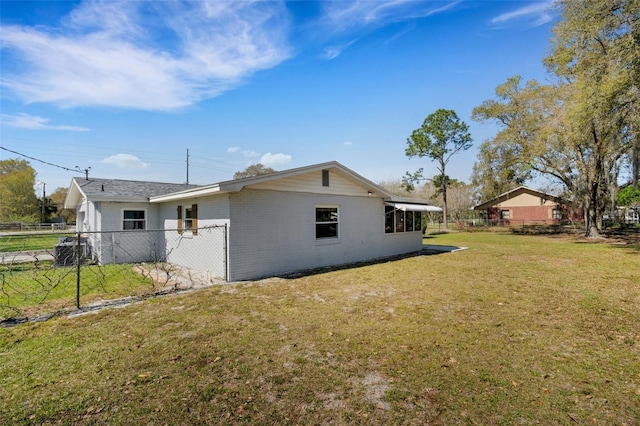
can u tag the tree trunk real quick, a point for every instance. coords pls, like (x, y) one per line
(590, 212)
(635, 166)
(592, 221)
(444, 197)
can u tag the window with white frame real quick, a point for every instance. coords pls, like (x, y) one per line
(556, 214)
(327, 222)
(505, 214)
(188, 220)
(133, 219)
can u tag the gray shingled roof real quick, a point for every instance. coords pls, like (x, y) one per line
(122, 189)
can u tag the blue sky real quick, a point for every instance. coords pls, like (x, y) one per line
(126, 88)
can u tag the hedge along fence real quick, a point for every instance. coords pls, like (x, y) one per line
(44, 275)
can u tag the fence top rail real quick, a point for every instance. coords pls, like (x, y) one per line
(68, 232)
(141, 231)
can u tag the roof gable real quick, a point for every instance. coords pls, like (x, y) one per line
(285, 180)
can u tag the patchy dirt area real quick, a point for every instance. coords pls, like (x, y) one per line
(168, 277)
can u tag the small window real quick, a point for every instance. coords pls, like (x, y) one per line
(325, 178)
(505, 215)
(556, 214)
(327, 221)
(189, 220)
(133, 219)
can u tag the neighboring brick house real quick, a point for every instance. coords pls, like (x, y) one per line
(525, 206)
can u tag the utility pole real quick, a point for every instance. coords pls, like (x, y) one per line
(187, 167)
(85, 171)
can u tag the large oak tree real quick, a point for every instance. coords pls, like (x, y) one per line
(582, 128)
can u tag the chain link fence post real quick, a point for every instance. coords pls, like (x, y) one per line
(78, 261)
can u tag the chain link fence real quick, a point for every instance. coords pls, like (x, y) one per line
(44, 274)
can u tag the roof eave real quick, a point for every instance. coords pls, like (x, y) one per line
(74, 195)
(190, 193)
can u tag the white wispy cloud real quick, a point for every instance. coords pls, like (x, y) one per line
(352, 19)
(33, 122)
(530, 15)
(142, 54)
(250, 154)
(279, 159)
(342, 16)
(247, 153)
(125, 161)
(332, 52)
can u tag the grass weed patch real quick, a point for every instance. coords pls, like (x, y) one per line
(514, 330)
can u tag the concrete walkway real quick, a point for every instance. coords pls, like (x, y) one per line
(25, 256)
(432, 248)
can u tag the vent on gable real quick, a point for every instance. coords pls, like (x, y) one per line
(325, 177)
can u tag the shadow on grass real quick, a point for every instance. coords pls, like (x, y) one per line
(427, 250)
(630, 247)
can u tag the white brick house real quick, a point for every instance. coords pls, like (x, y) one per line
(298, 219)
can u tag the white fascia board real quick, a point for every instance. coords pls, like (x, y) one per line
(74, 195)
(120, 199)
(190, 193)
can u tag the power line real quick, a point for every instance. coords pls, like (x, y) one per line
(76, 170)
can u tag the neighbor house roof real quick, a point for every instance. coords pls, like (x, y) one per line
(97, 189)
(514, 193)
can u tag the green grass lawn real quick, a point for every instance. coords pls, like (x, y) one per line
(514, 330)
(26, 242)
(27, 290)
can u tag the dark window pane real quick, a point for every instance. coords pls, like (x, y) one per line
(399, 221)
(133, 224)
(134, 214)
(388, 219)
(410, 216)
(326, 230)
(326, 214)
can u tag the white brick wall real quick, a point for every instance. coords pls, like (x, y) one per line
(204, 251)
(273, 232)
